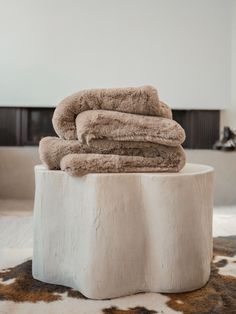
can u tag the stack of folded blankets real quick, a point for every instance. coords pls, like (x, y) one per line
(114, 130)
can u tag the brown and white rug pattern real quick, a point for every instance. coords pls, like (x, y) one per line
(20, 293)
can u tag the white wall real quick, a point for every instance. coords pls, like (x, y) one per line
(51, 48)
(229, 115)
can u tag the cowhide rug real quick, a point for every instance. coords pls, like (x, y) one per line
(20, 293)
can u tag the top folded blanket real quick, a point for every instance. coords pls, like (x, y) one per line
(96, 125)
(134, 100)
(114, 130)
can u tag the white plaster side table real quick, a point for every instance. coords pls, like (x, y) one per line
(110, 235)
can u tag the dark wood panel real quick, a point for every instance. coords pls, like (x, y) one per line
(10, 126)
(26, 126)
(36, 124)
(202, 127)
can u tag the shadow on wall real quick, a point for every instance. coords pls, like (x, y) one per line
(17, 172)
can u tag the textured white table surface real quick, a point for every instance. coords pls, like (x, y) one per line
(110, 235)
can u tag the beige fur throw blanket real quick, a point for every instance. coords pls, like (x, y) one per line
(143, 100)
(114, 130)
(112, 155)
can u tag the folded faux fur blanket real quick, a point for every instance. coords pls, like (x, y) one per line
(114, 130)
(137, 100)
(95, 157)
(117, 126)
(80, 164)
